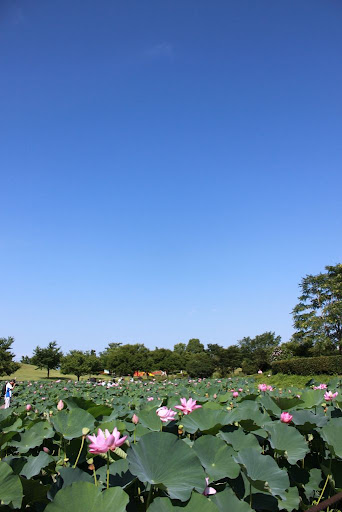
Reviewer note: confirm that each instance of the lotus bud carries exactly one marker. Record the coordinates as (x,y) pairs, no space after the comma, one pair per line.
(135,419)
(28,407)
(46,450)
(60,405)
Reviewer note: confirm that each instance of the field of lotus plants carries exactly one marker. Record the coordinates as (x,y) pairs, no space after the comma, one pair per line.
(183,445)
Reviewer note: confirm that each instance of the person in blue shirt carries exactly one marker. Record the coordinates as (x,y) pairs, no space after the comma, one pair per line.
(8,394)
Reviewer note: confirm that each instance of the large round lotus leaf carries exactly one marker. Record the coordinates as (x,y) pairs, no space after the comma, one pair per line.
(288,441)
(216,458)
(248,415)
(228,501)
(206,420)
(163,460)
(33,436)
(197,503)
(332,435)
(85,497)
(94,409)
(310,398)
(11,490)
(35,463)
(150,419)
(264,472)
(71,423)
(308,420)
(292,500)
(239,440)
(286,403)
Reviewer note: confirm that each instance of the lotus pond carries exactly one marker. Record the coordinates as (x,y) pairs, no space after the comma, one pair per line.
(234,453)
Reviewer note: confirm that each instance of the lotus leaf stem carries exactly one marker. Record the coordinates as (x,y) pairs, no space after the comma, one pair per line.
(80,451)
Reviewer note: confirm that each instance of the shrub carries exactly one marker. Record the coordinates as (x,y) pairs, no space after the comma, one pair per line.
(330,365)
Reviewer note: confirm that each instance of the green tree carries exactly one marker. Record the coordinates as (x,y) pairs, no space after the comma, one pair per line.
(194,346)
(166,360)
(256,352)
(48,358)
(25,360)
(225,360)
(80,363)
(127,359)
(317,317)
(200,365)
(7,365)
(180,348)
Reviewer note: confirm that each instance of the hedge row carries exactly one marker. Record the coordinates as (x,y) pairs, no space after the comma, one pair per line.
(330,365)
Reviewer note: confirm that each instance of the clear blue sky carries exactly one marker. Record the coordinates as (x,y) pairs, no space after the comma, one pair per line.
(169,169)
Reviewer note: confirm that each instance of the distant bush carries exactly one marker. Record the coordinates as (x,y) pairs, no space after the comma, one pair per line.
(329,365)
(250,367)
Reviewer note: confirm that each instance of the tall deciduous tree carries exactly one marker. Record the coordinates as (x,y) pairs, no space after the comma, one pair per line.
(7,365)
(317,317)
(194,346)
(127,359)
(256,352)
(48,358)
(80,363)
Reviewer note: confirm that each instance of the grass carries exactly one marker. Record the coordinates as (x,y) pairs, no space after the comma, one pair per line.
(281,380)
(29,372)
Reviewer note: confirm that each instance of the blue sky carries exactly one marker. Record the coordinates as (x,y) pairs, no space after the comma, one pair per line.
(169,169)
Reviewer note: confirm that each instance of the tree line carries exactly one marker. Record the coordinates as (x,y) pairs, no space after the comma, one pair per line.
(317,319)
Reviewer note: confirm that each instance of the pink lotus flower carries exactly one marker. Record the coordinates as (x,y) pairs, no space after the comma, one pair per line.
(117,440)
(100,443)
(321,386)
(28,407)
(269,388)
(187,406)
(135,419)
(208,490)
(240,389)
(260,372)
(165,414)
(262,387)
(235,394)
(150,398)
(328,396)
(60,405)
(286,417)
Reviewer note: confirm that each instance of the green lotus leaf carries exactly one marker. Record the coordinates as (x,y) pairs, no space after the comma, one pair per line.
(165,461)
(270,404)
(197,503)
(227,500)
(35,463)
(150,419)
(11,490)
(239,440)
(287,441)
(291,502)
(286,403)
(308,420)
(119,474)
(85,496)
(248,415)
(34,492)
(205,420)
(94,409)
(33,436)
(332,435)
(264,472)
(216,458)
(71,423)
(310,398)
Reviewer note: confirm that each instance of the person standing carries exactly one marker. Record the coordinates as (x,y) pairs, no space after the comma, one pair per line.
(8,394)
